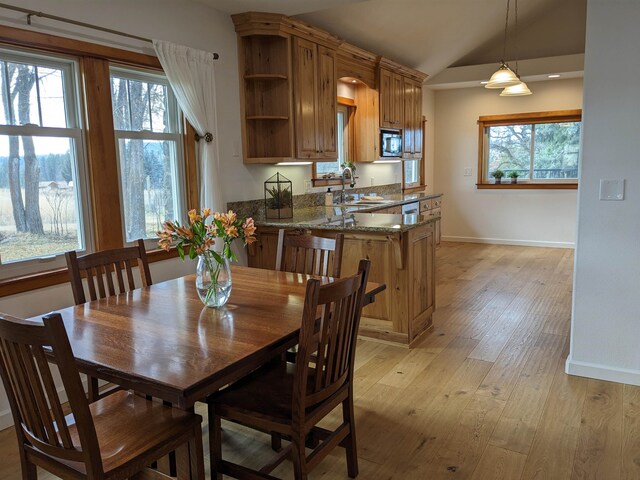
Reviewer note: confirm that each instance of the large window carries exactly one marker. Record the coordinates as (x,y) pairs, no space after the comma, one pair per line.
(41,163)
(146,121)
(542,149)
(411,173)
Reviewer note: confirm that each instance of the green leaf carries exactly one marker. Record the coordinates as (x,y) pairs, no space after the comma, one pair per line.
(216,256)
(180,249)
(192,253)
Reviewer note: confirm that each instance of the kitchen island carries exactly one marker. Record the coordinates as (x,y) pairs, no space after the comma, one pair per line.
(402,253)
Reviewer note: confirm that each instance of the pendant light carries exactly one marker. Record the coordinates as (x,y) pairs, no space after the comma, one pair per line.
(504,76)
(520,89)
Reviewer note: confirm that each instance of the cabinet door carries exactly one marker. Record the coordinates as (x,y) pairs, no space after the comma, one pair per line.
(304,90)
(367,124)
(326,103)
(417,139)
(397,89)
(409,129)
(386,97)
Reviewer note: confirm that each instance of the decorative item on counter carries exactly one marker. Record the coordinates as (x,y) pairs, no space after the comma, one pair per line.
(498,174)
(514,176)
(278,197)
(352,166)
(328,198)
(213,274)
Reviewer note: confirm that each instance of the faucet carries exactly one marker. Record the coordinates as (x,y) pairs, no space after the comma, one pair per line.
(352,184)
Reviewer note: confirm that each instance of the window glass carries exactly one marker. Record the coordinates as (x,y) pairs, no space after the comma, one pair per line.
(411,172)
(536,151)
(326,168)
(149,152)
(40,188)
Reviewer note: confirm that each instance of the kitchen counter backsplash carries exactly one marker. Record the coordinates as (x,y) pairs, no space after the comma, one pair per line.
(248,208)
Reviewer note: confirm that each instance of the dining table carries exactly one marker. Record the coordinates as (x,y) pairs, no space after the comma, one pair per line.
(162,341)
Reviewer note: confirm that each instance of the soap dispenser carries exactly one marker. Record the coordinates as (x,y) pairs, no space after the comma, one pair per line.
(328,198)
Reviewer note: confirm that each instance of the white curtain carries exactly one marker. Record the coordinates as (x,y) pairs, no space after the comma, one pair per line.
(191,75)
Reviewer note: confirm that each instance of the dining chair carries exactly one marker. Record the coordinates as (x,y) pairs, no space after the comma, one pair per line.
(113,438)
(309,254)
(99,269)
(291,399)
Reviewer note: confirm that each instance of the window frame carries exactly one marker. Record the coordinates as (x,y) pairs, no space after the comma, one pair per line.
(94,61)
(533,118)
(421,183)
(73,103)
(141,75)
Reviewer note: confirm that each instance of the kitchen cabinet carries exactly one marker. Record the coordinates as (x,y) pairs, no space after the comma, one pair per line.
(367,123)
(404,262)
(412,126)
(432,208)
(315,92)
(391,99)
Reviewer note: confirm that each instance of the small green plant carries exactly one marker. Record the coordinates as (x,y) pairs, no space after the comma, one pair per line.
(514,174)
(279,198)
(498,174)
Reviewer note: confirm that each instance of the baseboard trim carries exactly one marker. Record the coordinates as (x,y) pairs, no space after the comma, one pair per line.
(502,241)
(602,372)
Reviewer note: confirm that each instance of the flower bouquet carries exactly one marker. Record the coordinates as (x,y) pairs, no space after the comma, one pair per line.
(213,275)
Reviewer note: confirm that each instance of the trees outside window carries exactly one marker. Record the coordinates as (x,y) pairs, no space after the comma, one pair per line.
(40,155)
(146,120)
(541,148)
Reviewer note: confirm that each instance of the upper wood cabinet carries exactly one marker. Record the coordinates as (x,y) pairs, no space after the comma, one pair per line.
(315,93)
(391,99)
(288,90)
(412,127)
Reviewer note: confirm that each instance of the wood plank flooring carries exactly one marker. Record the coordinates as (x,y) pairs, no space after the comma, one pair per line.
(484,396)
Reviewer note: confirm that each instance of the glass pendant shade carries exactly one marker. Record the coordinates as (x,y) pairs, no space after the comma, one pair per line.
(518,90)
(502,78)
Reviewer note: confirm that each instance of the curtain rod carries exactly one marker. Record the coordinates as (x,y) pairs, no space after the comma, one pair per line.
(35,13)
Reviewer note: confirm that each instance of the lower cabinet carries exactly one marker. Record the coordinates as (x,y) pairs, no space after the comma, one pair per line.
(404,262)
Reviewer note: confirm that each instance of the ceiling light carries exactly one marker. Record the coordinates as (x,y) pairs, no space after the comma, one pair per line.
(504,77)
(555,75)
(517,90)
(354,81)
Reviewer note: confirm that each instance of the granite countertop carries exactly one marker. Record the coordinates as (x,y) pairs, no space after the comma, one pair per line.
(361,218)
(346,218)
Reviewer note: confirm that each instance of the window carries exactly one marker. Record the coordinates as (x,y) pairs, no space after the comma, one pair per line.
(42,175)
(146,120)
(411,173)
(323,169)
(542,149)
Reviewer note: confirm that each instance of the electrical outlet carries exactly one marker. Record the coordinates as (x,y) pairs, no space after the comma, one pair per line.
(307,186)
(468,171)
(373,181)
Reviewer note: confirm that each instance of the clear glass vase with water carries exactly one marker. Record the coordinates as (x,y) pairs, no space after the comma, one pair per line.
(213,280)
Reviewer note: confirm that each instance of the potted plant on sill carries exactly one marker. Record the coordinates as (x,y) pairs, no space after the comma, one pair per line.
(498,174)
(514,176)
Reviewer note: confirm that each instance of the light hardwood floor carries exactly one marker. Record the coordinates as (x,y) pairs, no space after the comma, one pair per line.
(484,396)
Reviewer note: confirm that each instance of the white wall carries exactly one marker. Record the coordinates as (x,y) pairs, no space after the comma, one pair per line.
(606,307)
(520,217)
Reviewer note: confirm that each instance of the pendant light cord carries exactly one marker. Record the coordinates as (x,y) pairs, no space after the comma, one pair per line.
(506,27)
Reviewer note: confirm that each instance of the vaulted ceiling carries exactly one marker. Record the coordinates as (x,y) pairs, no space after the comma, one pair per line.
(432,35)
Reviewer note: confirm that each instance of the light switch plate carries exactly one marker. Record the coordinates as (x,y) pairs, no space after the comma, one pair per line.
(611,189)
(468,171)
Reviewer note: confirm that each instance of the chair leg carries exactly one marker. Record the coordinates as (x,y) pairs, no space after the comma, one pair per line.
(349,443)
(29,470)
(276,442)
(196,454)
(298,456)
(215,443)
(94,392)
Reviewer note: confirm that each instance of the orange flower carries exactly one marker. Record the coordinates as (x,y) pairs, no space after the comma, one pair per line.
(193,216)
(185,232)
(231,231)
(250,240)
(248,227)
(231,218)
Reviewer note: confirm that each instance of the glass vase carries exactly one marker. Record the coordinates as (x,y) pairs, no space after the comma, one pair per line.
(213,280)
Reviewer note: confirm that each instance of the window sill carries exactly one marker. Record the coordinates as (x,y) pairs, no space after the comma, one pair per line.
(35,281)
(527,186)
(330,181)
(413,188)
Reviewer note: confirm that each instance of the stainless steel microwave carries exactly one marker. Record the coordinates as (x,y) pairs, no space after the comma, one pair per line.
(390,143)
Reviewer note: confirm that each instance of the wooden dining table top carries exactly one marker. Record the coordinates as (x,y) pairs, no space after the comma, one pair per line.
(161,340)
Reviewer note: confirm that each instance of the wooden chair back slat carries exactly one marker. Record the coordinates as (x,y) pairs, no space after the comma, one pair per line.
(100,268)
(35,403)
(309,254)
(326,351)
